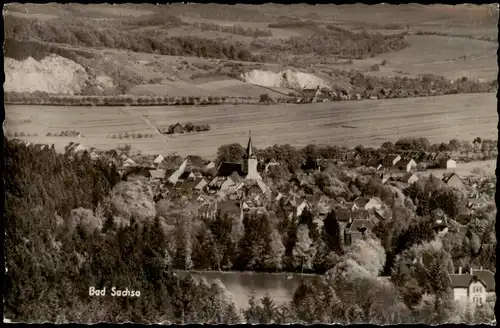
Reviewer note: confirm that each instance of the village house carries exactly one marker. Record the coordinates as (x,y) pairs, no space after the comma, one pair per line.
(410,178)
(367,203)
(94,156)
(406,165)
(174,177)
(270,164)
(438,157)
(375,162)
(157,175)
(297,205)
(454,181)
(210,165)
(473,286)
(157,161)
(197,184)
(447,163)
(356,230)
(129,162)
(390,160)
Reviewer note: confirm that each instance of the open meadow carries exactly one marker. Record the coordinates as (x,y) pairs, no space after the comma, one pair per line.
(349,124)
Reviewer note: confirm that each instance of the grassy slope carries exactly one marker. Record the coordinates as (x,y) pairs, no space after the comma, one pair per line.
(437,118)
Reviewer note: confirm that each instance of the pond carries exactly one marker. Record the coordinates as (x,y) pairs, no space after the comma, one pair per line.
(279,286)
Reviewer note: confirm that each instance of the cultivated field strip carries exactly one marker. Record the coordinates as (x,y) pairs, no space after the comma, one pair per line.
(342,123)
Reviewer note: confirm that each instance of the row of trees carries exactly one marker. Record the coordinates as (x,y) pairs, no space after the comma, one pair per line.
(43,98)
(467,36)
(132,135)
(234,29)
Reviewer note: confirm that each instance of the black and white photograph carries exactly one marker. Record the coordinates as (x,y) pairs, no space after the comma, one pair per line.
(210,163)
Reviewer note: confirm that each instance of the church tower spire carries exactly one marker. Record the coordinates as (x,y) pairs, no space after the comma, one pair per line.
(249,153)
(250,162)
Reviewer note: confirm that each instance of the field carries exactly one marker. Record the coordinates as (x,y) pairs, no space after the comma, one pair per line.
(370,122)
(439,55)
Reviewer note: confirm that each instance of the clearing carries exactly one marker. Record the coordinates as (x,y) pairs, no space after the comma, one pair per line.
(437,118)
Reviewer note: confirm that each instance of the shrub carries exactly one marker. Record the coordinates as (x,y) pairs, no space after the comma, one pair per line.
(384,62)
(139,135)
(21,134)
(375,68)
(133,135)
(120,136)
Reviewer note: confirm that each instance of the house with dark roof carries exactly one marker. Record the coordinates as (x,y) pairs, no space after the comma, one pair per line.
(406,165)
(193,184)
(343,215)
(473,286)
(375,162)
(356,230)
(390,160)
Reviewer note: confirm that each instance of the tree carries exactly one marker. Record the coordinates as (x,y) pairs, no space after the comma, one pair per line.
(274,258)
(332,233)
(230,153)
(304,251)
(183,251)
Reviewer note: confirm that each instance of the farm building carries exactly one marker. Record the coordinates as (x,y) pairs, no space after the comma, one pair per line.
(178,128)
(447,163)
(406,165)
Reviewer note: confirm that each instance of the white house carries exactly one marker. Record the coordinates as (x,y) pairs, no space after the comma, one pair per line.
(406,165)
(447,163)
(473,286)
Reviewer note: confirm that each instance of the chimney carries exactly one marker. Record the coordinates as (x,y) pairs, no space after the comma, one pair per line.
(459,270)
(470,270)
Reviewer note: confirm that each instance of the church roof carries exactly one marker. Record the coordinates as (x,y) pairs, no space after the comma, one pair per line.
(226,169)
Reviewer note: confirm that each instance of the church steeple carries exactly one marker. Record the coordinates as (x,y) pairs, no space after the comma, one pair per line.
(249,153)
(250,162)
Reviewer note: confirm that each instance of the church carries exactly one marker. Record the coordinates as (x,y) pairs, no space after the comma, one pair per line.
(232,177)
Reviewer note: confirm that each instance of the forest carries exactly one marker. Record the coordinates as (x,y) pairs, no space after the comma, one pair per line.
(64,233)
